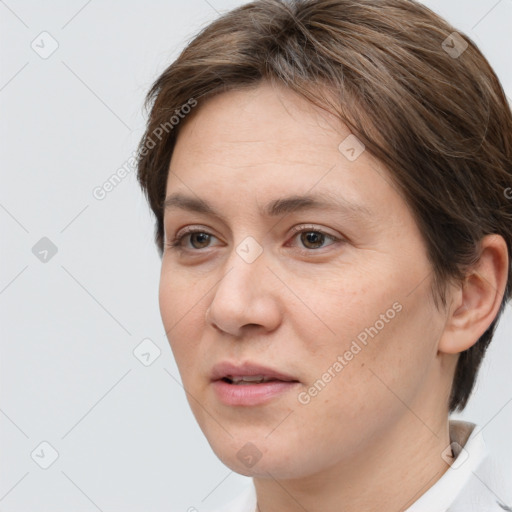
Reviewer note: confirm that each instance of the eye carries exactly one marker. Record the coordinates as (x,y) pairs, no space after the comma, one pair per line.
(313,238)
(198,238)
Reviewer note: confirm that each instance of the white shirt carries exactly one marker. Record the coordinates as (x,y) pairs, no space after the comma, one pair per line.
(471,484)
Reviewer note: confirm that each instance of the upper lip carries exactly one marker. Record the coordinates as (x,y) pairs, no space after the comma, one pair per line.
(228,369)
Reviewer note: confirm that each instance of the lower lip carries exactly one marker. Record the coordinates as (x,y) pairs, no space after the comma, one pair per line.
(250,394)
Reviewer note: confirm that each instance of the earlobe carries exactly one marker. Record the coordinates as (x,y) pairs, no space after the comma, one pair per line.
(476,302)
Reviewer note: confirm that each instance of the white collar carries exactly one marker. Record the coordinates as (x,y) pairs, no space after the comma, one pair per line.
(457,485)
(472,483)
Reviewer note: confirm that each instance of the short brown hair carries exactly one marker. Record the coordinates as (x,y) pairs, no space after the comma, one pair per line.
(438,119)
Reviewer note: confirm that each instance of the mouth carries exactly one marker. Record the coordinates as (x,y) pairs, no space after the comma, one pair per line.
(251,379)
(249,384)
(247,373)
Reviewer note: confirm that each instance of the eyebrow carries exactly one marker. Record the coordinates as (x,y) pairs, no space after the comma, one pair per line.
(281,206)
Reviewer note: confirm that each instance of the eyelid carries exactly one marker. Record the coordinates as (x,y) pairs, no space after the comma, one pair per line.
(176,241)
(193,229)
(301,228)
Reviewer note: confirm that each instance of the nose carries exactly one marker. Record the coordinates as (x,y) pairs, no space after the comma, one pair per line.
(245,298)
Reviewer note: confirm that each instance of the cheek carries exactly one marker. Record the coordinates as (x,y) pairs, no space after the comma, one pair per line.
(170,306)
(342,311)
(179,296)
(368,394)
(182,316)
(383,342)
(401,356)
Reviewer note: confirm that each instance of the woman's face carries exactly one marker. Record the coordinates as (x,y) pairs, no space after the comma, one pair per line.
(332,298)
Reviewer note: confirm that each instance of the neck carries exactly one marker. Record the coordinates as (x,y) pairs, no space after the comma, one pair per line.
(387,475)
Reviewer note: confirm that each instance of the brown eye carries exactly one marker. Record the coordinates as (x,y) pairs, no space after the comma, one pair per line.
(201,238)
(312,239)
(192,240)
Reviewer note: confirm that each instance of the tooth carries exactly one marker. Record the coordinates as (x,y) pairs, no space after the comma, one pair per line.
(249,379)
(253,378)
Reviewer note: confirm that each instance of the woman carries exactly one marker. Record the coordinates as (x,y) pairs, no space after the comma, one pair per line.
(329,184)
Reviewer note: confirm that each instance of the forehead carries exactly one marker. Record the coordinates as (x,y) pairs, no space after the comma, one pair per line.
(270,117)
(267,143)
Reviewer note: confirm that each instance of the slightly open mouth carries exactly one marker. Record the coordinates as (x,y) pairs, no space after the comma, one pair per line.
(252,380)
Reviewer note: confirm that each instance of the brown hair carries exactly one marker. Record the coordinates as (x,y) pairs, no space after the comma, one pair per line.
(423,100)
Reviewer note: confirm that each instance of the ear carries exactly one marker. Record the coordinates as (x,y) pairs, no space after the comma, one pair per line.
(476,302)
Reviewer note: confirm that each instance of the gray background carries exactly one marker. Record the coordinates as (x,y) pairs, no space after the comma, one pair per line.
(124,434)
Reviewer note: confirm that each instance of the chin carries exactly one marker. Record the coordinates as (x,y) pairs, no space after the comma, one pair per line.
(263,458)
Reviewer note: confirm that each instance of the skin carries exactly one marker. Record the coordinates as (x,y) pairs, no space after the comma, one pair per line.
(372,438)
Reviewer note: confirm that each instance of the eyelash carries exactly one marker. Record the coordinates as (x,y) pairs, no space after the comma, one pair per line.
(176,242)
